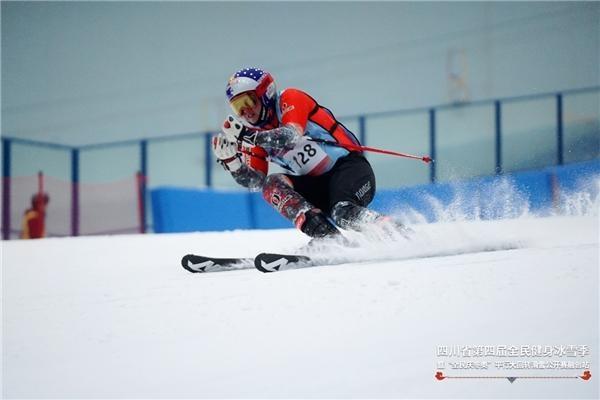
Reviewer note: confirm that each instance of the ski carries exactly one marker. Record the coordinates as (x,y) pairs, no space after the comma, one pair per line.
(272,262)
(195,264)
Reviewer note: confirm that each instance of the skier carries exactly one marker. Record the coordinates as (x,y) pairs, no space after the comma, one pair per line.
(34,218)
(324,181)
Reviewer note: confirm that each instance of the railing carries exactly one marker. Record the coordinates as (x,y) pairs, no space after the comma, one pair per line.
(477,138)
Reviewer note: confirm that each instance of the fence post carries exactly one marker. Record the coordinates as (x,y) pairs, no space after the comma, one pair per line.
(432,171)
(75,192)
(142,184)
(362,130)
(498,114)
(6,161)
(208,160)
(559,128)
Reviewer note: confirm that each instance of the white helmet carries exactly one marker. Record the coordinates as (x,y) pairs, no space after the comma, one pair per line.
(262,85)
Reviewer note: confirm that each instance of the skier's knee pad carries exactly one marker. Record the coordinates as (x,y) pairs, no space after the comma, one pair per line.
(348,215)
(275,183)
(278,191)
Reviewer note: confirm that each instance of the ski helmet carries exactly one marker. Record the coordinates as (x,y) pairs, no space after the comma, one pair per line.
(253,81)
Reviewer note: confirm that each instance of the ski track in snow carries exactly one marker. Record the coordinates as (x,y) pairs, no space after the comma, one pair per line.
(117,316)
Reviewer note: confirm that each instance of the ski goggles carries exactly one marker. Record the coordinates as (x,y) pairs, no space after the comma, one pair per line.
(243,100)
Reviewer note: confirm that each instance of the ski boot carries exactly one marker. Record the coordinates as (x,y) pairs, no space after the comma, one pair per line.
(324,234)
(354,217)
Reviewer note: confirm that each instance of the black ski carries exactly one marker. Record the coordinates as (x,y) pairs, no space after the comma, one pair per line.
(195,264)
(272,262)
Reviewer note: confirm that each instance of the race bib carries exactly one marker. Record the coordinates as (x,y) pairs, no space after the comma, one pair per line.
(305,157)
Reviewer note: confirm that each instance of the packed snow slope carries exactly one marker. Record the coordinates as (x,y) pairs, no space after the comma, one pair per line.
(117,316)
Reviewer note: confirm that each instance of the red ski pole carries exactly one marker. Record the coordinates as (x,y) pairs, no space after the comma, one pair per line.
(40,183)
(355,147)
(425,159)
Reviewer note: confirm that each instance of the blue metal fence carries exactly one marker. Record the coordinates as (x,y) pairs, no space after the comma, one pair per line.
(435,132)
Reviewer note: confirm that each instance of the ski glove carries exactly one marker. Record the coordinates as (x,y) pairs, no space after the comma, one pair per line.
(235,131)
(226,152)
(232,128)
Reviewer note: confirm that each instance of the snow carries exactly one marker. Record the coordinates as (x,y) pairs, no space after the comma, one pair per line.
(117,316)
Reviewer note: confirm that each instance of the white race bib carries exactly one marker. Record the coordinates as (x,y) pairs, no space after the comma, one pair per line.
(305,157)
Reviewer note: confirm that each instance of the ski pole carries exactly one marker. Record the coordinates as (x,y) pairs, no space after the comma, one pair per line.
(354,147)
(425,159)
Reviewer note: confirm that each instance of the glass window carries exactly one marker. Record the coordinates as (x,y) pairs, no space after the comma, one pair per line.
(29,160)
(465,142)
(102,164)
(581,126)
(177,162)
(108,189)
(529,134)
(406,133)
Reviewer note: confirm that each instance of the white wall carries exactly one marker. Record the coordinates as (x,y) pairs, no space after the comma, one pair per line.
(81,73)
